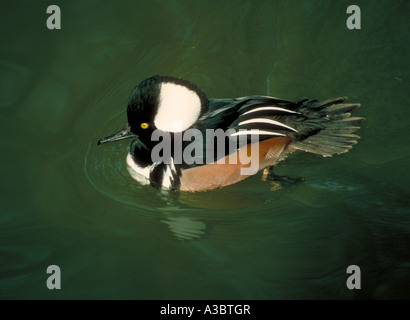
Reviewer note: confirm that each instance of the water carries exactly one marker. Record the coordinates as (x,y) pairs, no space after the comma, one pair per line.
(67,202)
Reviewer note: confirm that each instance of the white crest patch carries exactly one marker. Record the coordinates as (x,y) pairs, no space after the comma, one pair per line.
(179,108)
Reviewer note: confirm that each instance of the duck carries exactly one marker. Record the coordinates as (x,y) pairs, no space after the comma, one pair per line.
(184,141)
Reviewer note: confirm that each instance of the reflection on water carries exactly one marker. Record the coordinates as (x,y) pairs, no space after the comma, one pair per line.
(185,228)
(65,201)
(106,169)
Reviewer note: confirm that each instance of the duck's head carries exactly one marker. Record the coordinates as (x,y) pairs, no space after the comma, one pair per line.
(160,103)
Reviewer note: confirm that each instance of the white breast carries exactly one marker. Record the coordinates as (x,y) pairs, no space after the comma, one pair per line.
(142,175)
(138,173)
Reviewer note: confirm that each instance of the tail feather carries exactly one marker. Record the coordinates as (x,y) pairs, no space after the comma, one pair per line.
(341,108)
(328,127)
(342,130)
(328,102)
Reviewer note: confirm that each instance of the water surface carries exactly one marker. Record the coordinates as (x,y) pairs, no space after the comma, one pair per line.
(64,201)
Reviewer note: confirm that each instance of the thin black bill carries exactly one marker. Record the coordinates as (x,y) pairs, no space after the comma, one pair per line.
(125,133)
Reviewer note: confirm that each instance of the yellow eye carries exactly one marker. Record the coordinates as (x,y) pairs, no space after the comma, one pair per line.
(144,125)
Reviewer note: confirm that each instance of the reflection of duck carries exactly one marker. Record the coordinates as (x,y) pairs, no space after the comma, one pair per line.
(171,105)
(185,228)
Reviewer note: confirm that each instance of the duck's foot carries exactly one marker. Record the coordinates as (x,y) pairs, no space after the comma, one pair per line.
(277,181)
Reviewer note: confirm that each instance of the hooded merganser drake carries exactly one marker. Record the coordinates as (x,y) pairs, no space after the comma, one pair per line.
(167,105)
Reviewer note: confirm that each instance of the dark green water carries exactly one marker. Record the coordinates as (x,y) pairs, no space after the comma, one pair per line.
(67,202)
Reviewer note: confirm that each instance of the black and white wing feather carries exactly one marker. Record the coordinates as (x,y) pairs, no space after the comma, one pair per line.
(324,128)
